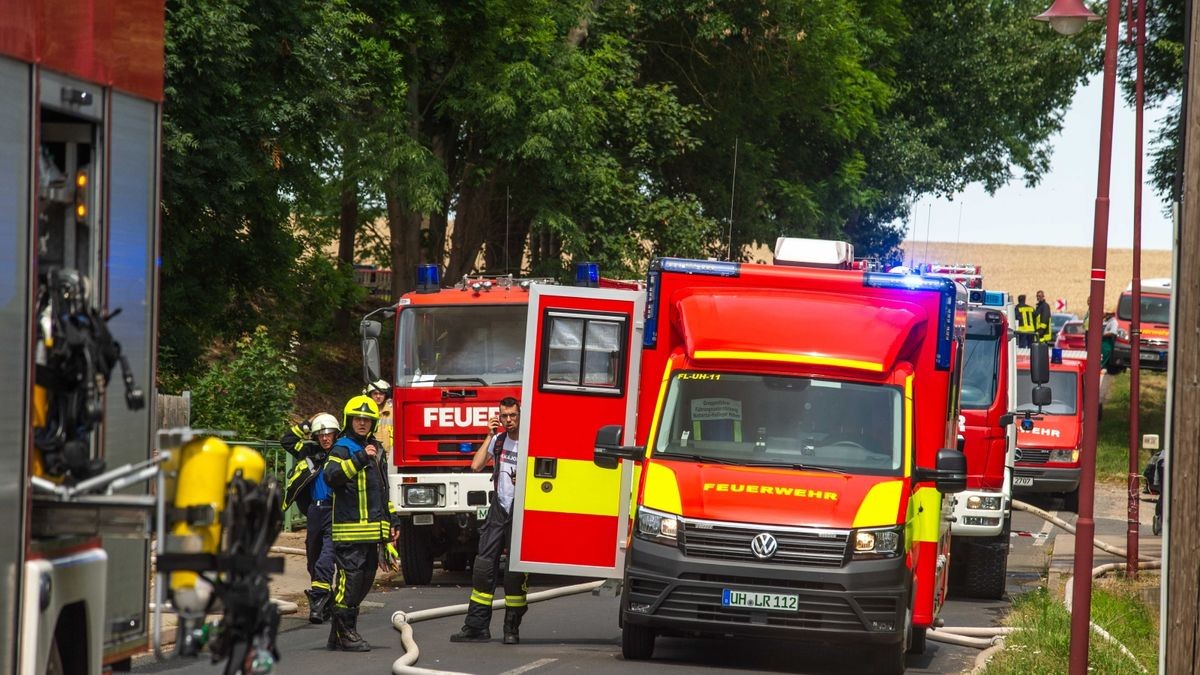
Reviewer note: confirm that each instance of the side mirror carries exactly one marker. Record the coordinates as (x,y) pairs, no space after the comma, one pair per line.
(1040,396)
(950,475)
(1005,420)
(370,349)
(1039,363)
(609,452)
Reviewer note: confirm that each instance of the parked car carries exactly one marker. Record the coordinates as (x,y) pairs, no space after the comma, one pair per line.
(1071,336)
(1057,320)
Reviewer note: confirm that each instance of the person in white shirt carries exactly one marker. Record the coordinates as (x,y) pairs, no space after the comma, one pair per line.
(501,448)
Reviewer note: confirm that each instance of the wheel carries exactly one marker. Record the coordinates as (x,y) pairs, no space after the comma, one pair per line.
(1071,501)
(637,642)
(916,642)
(889,659)
(456,561)
(1156,525)
(1114,370)
(416,554)
(987,572)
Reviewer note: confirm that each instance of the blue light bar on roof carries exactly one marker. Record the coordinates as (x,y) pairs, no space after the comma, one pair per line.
(587,274)
(712,268)
(428,279)
(916,282)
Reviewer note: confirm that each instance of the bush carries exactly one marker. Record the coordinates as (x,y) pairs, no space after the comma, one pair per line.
(250,394)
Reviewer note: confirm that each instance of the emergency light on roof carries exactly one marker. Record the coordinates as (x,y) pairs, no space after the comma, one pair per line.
(813,252)
(429,279)
(587,274)
(916,282)
(976,296)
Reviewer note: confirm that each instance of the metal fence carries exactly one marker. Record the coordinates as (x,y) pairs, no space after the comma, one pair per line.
(279,464)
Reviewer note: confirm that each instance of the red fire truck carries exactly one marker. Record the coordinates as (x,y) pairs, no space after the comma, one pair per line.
(781,435)
(1048,452)
(982,512)
(1155,319)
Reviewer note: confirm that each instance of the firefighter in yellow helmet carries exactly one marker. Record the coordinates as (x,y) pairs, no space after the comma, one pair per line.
(363,517)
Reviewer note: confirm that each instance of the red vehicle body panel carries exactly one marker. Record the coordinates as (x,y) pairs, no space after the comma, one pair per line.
(1054,431)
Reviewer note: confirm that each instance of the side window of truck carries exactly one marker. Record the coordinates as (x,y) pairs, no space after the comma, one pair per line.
(583,352)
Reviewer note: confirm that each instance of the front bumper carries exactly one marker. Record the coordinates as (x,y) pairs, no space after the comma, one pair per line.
(978,522)
(859,602)
(1150,359)
(468,493)
(1046,479)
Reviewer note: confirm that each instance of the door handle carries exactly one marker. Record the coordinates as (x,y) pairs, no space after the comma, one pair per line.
(545,467)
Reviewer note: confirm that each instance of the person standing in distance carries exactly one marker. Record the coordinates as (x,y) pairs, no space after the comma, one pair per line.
(363,517)
(494,536)
(381,392)
(1041,319)
(311,494)
(1025,329)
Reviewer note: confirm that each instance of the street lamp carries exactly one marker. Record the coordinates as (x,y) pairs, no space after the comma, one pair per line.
(1067,17)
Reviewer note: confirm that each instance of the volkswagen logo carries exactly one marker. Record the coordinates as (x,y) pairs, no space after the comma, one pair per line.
(763,545)
(1017,455)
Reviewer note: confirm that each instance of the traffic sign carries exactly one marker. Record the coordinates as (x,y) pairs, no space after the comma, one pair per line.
(1060,305)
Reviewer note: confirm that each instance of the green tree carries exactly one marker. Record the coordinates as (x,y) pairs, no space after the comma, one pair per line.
(250,392)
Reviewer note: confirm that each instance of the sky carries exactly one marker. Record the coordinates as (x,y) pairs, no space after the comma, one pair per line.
(1060,211)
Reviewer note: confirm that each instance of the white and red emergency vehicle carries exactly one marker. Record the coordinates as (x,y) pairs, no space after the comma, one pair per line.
(756,450)
(459,352)
(970,276)
(80,112)
(1155,318)
(1048,452)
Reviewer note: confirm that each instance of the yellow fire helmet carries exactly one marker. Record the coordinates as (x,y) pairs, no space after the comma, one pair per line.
(360,406)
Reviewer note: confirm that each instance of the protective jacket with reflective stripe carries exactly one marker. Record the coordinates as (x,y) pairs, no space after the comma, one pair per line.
(362,511)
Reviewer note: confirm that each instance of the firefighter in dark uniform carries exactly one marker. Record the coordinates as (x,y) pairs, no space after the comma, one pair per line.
(495,534)
(309,491)
(1041,319)
(363,517)
(1025,329)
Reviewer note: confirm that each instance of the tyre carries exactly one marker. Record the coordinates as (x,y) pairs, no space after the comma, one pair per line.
(416,554)
(456,561)
(1114,370)
(889,659)
(1071,501)
(917,641)
(637,642)
(987,573)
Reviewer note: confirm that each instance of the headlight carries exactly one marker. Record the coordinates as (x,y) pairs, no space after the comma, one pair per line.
(420,495)
(985,503)
(1122,334)
(655,526)
(1064,456)
(877,543)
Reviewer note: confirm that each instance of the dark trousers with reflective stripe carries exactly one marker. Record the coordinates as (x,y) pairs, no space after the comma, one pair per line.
(318,542)
(494,537)
(356,565)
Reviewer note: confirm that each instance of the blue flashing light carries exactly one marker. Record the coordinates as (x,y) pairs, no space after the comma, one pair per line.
(587,274)
(1026,424)
(994,298)
(1055,355)
(712,268)
(916,282)
(466,447)
(653,286)
(429,279)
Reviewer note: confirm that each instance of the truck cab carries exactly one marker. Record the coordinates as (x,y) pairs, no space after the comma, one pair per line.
(1048,452)
(1155,319)
(742,472)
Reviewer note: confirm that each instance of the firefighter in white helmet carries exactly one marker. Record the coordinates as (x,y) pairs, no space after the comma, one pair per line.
(310,442)
(381,392)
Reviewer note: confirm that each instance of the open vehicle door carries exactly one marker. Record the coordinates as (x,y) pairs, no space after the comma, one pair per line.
(582,352)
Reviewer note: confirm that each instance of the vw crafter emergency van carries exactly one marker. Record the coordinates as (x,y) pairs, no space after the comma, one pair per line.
(771,448)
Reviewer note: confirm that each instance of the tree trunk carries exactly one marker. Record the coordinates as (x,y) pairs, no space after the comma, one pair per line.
(404,224)
(579,31)
(476,206)
(347,228)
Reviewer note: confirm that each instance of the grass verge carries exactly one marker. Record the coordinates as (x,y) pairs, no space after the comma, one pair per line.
(1042,644)
(1112,447)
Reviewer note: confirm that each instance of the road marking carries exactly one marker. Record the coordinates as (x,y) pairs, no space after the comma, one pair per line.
(529,666)
(1044,533)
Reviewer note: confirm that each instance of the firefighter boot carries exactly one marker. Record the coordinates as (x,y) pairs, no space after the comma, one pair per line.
(332,643)
(318,606)
(512,625)
(348,639)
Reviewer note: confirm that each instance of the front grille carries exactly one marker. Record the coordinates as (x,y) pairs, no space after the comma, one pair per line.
(797,546)
(814,612)
(1033,456)
(727,580)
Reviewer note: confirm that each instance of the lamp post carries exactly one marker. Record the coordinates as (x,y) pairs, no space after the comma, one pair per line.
(1135,320)
(1069,17)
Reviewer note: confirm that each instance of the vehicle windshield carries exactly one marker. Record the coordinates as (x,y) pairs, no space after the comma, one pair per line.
(981,371)
(460,344)
(767,420)
(1063,388)
(1155,308)
(1073,328)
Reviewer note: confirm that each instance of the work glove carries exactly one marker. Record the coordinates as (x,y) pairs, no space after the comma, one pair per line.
(389,558)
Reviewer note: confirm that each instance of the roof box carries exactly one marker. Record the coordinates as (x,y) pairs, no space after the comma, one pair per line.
(801,252)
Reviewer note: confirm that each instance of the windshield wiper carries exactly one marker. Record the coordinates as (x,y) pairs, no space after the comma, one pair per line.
(799,467)
(508,382)
(446,380)
(697,458)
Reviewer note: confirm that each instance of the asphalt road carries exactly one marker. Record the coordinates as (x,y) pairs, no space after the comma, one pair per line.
(579,633)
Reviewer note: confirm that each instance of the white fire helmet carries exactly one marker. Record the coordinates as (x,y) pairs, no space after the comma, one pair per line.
(324,422)
(378,385)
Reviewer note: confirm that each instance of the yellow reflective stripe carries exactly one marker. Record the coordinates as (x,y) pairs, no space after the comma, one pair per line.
(658,404)
(881,505)
(339,598)
(581,487)
(925,513)
(346,465)
(481,598)
(696,430)
(737,431)
(806,359)
(362,497)
(321,585)
(514,601)
(662,489)
(909,450)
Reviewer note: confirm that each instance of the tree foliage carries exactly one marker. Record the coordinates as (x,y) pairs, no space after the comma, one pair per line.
(518,135)
(250,392)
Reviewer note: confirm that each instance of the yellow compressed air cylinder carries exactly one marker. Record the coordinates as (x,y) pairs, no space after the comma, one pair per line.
(203,464)
(250,462)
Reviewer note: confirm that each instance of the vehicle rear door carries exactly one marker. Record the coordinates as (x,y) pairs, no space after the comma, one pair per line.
(582,353)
